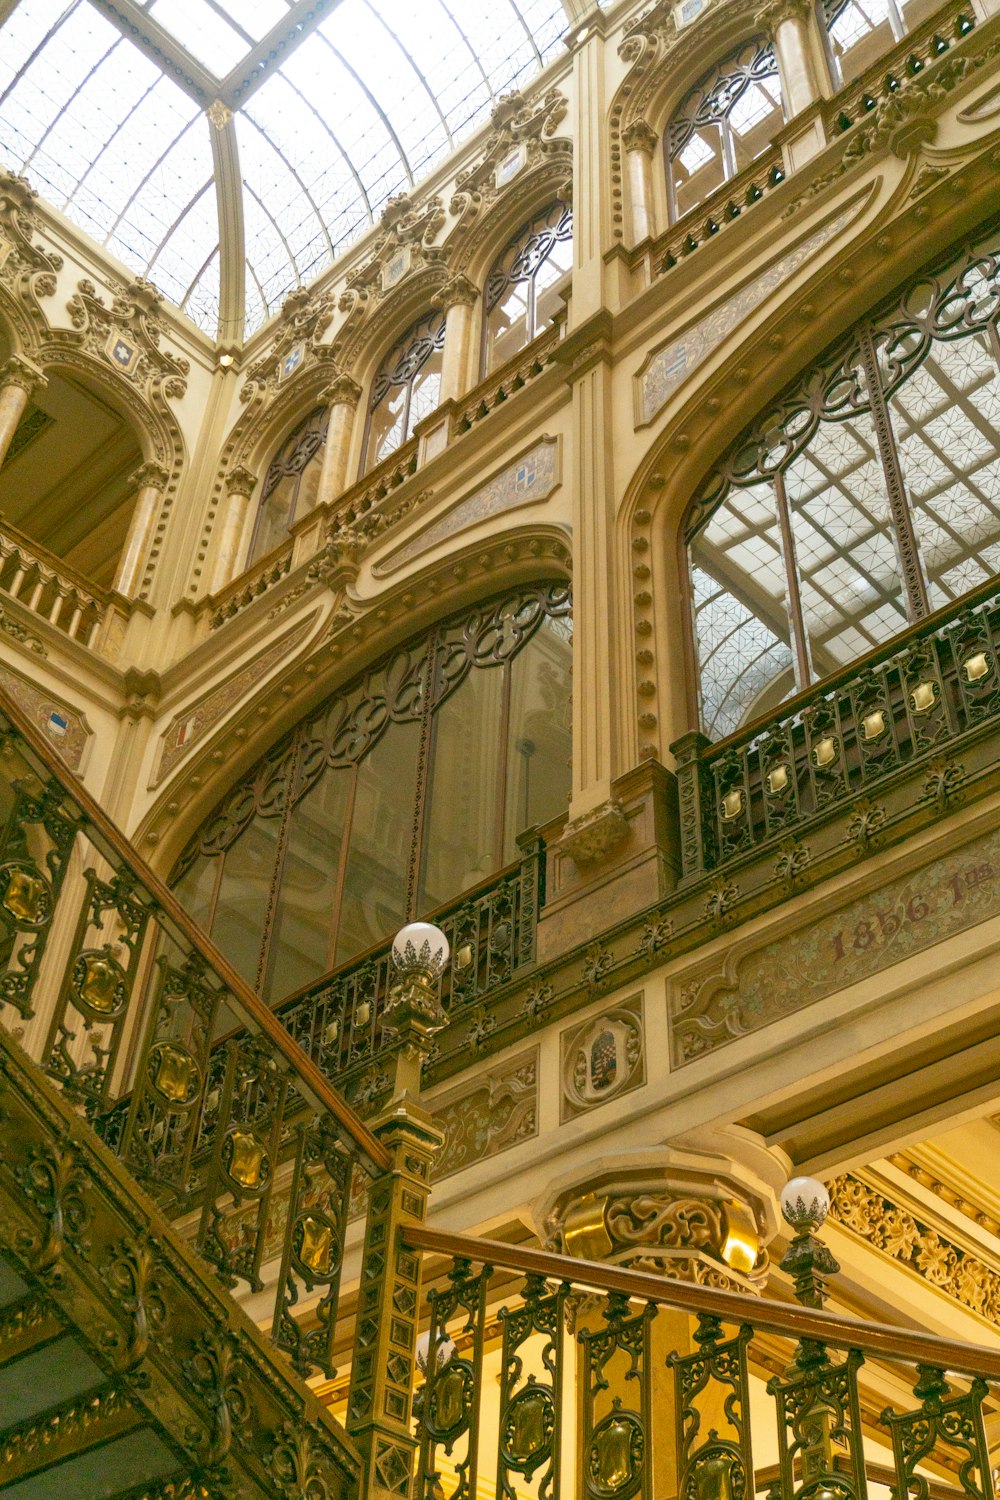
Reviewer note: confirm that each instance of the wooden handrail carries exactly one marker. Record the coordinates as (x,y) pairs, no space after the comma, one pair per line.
(257,1016)
(879,1339)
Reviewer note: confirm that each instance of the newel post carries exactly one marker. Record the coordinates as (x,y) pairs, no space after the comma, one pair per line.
(379,1407)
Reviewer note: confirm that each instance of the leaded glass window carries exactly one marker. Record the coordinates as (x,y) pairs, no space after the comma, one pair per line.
(403,790)
(859,31)
(523,289)
(406,389)
(863,499)
(290,484)
(728,119)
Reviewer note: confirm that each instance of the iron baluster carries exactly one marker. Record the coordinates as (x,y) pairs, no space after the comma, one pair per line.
(530,1423)
(943,1426)
(713,1466)
(449,1404)
(616,1445)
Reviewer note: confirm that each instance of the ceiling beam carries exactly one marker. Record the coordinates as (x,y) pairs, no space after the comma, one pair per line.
(7,8)
(273,50)
(232,235)
(160,47)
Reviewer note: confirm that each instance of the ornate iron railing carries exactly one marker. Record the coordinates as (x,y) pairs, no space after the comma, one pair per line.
(740,1369)
(339,1021)
(921,695)
(121,998)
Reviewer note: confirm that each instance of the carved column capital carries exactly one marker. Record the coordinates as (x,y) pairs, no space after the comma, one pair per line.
(639,136)
(458,291)
(773,12)
(342,391)
(240,481)
(20,372)
(149,476)
(700,1215)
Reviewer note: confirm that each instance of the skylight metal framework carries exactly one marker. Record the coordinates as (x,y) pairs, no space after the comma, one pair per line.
(228,149)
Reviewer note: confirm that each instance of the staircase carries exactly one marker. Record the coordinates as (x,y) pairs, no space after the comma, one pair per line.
(165,1144)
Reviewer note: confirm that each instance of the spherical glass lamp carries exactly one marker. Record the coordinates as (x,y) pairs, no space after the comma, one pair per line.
(805,1203)
(420,948)
(445,1350)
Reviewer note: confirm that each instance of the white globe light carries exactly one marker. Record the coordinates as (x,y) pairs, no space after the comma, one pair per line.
(445,1349)
(805,1201)
(420,945)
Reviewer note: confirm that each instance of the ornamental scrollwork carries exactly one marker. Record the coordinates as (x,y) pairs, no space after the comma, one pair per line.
(127,334)
(27,271)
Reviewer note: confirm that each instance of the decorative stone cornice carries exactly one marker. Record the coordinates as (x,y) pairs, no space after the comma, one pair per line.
(20,372)
(127,335)
(304,318)
(458,291)
(640,136)
(770,15)
(241,481)
(149,476)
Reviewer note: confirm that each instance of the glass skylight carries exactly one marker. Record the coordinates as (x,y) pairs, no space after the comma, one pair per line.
(107,138)
(362,107)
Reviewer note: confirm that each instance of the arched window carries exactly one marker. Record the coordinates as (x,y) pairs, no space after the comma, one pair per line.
(406,388)
(726,120)
(859,31)
(405,789)
(522,290)
(866,497)
(290,484)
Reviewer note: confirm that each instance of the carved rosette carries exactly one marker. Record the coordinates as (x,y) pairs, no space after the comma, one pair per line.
(697,1216)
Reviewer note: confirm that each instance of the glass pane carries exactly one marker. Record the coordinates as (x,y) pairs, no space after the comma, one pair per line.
(507,326)
(388,429)
(301,947)
(539,733)
(196,887)
(698,168)
(461,842)
(947,423)
(243,896)
(374,898)
(754,119)
(852,591)
(275,518)
(426,392)
(742,635)
(859,34)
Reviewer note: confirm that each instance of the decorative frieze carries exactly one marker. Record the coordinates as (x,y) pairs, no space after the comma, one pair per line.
(522,140)
(487,1114)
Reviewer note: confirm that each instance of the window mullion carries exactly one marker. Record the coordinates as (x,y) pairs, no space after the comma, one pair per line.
(917,603)
(796,619)
(284,823)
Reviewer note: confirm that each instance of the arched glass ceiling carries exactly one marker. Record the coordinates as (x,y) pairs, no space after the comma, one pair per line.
(363,106)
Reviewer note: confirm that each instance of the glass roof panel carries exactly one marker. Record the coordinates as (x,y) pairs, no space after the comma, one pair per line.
(199,27)
(109,140)
(363,107)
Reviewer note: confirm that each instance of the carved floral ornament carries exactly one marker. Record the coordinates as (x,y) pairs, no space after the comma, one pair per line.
(27,271)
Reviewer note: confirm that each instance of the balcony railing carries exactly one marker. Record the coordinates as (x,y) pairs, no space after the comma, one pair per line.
(917,51)
(49,588)
(121,996)
(918,697)
(339,1021)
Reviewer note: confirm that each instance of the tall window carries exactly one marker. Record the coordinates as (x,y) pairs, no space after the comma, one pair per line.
(726,120)
(859,31)
(866,497)
(402,791)
(407,388)
(522,290)
(290,484)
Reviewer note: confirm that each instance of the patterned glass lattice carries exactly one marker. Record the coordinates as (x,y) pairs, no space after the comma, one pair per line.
(406,388)
(522,290)
(290,484)
(726,120)
(406,788)
(865,497)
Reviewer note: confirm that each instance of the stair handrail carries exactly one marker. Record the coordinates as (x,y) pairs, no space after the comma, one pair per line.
(258,1017)
(883,1340)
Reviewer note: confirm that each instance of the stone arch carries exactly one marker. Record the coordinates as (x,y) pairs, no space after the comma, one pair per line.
(836,284)
(339,635)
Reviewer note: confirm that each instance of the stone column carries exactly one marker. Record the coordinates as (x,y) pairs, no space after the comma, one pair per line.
(343,396)
(458,298)
(19,379)
(639,140)
(240,485)
(790,23)
(149,482)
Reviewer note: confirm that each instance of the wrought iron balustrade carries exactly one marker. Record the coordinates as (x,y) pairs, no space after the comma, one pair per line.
(850,1401)
(921,696)
(339,1021)
(119,998)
